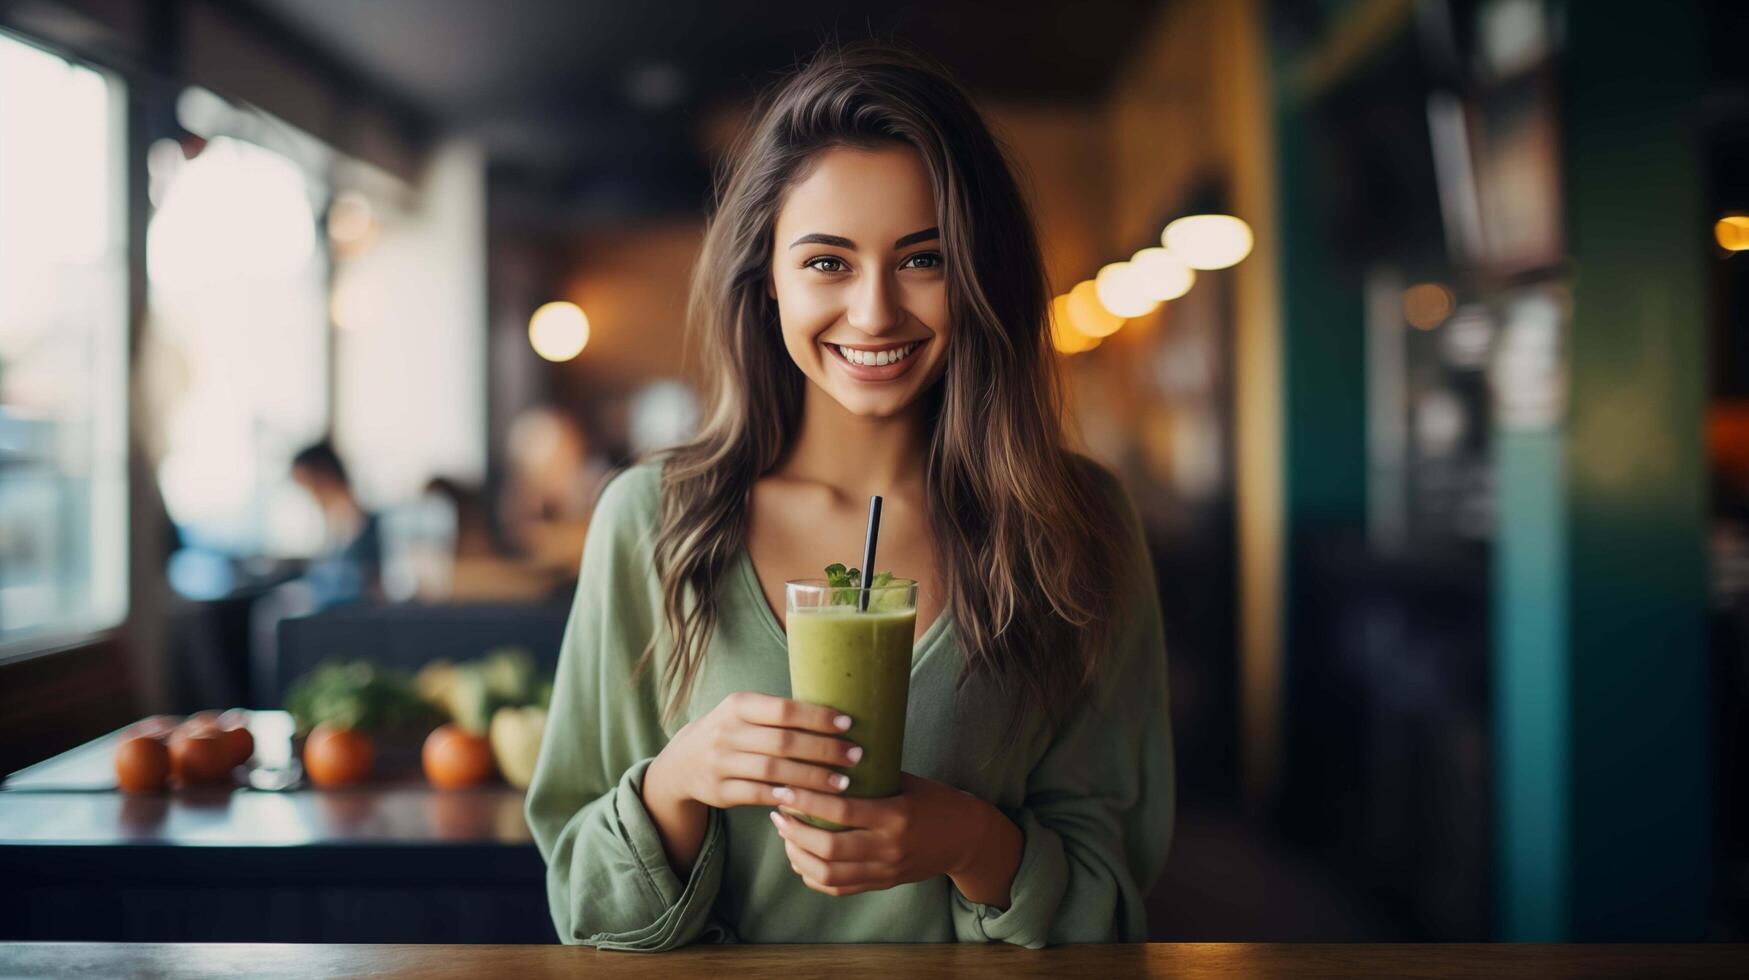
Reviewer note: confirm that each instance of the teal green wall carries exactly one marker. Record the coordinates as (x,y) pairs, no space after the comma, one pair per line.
(1601,660)
(1323,331)
(1531,714)
(1636,475)
(1600,665)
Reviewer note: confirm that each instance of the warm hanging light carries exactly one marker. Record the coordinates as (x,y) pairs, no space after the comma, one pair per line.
(1427,305)
(558,331)
(1087,315)
(1123,291)
(1164,275)
(1732,233)
(1064,337)
(1208,241)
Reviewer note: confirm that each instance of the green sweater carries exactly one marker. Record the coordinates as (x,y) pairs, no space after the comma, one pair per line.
(1095,802)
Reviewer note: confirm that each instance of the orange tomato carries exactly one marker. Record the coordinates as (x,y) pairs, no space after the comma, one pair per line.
(454,757)
(200,755)
(234,723)
(142,764)
(336,756)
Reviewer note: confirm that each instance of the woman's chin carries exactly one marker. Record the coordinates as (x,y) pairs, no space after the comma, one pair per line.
(872,405)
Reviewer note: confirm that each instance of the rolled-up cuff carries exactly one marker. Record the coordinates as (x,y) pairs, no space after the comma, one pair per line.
(686,904)
(1039,883)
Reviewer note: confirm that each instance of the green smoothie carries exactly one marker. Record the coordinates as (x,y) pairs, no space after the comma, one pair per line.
(859,663)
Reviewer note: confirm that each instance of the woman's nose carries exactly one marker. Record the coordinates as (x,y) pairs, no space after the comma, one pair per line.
(874,307)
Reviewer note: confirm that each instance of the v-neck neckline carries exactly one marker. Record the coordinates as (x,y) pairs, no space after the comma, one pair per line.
(766,615)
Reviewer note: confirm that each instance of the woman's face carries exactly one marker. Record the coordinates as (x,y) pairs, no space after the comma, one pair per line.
(856,269)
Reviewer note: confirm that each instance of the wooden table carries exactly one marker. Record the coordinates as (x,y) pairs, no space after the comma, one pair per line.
(884,962)
(394,861)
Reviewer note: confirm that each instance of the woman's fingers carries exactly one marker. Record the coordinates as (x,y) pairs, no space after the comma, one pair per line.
(745,792)
(784,772)
(833,874)
(789,743)
(829,845)
(830,806)
(776,712)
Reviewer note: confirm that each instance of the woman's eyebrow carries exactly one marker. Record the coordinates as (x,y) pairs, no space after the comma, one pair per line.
(838,241)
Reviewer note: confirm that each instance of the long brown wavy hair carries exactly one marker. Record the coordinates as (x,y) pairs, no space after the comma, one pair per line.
(1028,541)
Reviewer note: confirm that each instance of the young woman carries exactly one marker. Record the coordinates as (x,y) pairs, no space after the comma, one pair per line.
(868,217)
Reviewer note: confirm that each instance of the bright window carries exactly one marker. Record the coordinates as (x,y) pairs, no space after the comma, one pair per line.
(63,351)
(237,345)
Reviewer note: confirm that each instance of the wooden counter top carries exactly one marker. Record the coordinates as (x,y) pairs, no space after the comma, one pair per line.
(884,962)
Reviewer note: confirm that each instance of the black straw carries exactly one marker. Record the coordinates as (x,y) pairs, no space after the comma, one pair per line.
(868,550)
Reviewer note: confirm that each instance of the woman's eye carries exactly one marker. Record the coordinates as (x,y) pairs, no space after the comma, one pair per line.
(827,263)
(924,260)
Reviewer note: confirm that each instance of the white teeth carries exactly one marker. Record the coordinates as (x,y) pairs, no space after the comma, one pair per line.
(875,358)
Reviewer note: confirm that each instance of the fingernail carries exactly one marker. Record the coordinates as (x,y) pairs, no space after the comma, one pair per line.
(855,754)
(777,819)
(843,722)
(839,781)
(785,794)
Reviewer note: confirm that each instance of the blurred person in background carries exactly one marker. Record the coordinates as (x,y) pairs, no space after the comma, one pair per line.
(550,485)
(349,566)
(473,523)
(478,569)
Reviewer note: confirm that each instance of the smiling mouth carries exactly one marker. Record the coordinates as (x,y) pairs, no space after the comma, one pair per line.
(886,356)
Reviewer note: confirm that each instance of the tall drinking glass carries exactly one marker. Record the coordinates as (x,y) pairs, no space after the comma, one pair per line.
(857,661)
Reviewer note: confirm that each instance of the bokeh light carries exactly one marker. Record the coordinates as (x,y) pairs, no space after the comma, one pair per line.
(1123,291)
(1165,275)
(1087,315)
(1732,233)
(558,331)
(1427,305)
(1064,337)
(1208,241)
(352,223)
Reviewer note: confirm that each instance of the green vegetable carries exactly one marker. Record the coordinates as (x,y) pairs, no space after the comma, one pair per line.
(470,693)
(509,675)
(515,738)
(470,700)
(359,694)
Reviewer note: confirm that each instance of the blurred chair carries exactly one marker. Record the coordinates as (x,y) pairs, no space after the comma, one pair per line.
(410,636)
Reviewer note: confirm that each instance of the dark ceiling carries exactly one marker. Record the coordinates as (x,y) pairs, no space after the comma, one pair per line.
(601,104)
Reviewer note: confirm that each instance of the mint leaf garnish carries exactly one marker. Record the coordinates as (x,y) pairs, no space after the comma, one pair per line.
(845,583)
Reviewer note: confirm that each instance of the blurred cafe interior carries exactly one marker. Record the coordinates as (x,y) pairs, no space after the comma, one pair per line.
(1418,330)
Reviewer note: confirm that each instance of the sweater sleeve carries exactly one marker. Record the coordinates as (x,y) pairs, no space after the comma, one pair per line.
(1098,813)
(609,883)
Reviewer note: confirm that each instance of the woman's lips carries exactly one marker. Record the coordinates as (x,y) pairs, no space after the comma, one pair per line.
(868,372)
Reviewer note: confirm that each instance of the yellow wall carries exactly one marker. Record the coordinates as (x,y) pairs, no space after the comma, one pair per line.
(1193,103)
(632,283)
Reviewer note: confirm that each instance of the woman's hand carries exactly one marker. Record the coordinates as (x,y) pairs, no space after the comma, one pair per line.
(747,747)
(929,829)
(743,751)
